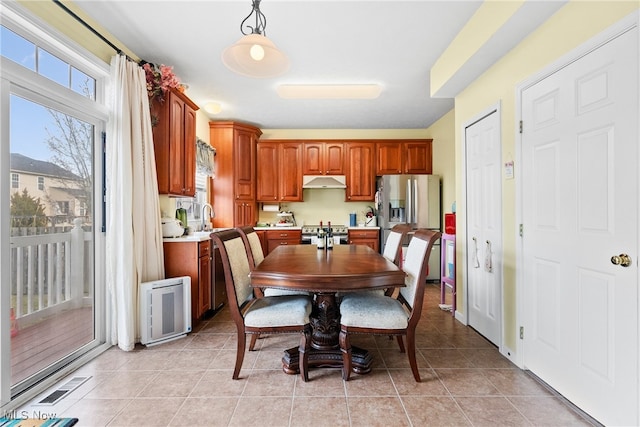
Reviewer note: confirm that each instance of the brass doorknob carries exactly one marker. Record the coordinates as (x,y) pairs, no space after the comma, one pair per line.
(622,260)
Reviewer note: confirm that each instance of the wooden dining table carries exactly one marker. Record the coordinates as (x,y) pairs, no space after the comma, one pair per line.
(324,274)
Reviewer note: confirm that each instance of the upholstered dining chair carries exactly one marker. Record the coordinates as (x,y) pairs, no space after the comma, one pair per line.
(256,255)
(254,316)
(393,244)
(367,313)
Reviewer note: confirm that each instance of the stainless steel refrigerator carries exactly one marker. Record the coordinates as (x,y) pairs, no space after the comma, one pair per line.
(413,200)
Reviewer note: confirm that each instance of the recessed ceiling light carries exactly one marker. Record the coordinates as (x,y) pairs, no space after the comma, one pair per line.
(326,91)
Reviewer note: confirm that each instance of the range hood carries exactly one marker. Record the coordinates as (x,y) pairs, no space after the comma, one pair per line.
(324,181)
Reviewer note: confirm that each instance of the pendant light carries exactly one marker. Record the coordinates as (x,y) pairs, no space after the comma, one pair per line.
(254,55)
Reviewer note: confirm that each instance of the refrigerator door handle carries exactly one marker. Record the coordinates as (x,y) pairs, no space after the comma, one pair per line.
(409,207)
(416,204)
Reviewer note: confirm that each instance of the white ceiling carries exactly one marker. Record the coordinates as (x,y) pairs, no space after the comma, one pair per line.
(393,43)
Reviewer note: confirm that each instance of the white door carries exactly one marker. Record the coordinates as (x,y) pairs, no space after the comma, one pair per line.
(580,208)
(484,227)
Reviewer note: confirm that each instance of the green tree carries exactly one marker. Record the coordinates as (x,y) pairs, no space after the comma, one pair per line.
(27,211)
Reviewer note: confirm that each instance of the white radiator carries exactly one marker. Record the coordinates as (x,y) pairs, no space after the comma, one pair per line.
(165,310)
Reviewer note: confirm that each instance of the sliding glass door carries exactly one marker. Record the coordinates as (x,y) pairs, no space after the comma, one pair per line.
(51,237)
(52,302)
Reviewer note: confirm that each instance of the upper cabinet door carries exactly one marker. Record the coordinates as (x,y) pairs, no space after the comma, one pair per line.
(323,158)
(312,162)
(244,162)
(290,171)
(334,158)
(174,139)
(189,151)
(267,167)
(176,145)
(403,157)
(389,158)
(360,172)
(418,157)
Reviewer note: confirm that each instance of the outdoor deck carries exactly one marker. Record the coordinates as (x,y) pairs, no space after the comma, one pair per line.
(42,344)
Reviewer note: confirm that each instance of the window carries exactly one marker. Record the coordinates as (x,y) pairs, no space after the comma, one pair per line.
(24,52)
(15,180)
(63,207)
(41,183)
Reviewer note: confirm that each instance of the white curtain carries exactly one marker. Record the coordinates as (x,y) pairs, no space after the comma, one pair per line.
(134,234)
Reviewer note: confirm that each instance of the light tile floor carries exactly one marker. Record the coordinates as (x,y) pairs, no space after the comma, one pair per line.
(187,382)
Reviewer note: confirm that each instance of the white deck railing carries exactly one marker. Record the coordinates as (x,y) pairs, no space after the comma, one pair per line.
(48,269)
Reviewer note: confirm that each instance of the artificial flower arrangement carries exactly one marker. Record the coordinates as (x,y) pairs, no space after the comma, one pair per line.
(159,80)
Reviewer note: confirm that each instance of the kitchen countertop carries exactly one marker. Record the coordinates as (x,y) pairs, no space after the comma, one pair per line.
(198,236)
(294,227)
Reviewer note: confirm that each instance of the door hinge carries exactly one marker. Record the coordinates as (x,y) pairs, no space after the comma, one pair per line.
(520,230)
(521,332)
(520,126)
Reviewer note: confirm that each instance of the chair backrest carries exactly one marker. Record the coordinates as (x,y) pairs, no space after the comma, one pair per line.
(235,261)
(252,241)
(392,247)
(416,264)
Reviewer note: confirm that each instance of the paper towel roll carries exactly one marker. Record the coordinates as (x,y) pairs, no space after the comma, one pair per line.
(271,207)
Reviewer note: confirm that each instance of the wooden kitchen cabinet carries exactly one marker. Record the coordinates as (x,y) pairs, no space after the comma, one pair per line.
(395,157)
(281,237)
(279,171)
(245,213)
(174,138)
(323,158)
(360,171)
(370,238)
(234,194)
(193,259)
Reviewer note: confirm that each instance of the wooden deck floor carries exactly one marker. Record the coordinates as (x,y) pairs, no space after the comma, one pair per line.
(42,344)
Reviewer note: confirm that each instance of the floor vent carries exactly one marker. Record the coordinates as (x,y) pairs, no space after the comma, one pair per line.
(63,391)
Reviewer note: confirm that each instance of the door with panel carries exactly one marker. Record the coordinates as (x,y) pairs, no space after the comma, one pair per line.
(484,226)
(580,218)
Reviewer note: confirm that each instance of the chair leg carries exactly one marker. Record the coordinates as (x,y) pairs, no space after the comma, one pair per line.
(303,353)
(400,343)
(252,344)
(242,342)
(345,348)
(411,352)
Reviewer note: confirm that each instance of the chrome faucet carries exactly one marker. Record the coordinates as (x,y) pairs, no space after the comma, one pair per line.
(211,215)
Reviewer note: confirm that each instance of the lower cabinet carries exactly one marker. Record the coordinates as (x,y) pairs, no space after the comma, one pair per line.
(193,259)
(370,238)
(275,238)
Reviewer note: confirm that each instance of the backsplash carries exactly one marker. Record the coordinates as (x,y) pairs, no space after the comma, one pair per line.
(320,205)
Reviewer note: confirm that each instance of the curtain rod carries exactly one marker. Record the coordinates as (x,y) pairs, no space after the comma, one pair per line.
(94,31)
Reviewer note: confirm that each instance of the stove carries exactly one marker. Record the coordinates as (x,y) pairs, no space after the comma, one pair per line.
(309,233)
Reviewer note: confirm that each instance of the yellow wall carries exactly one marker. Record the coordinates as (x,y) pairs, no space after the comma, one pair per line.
(571,26)
(443,134)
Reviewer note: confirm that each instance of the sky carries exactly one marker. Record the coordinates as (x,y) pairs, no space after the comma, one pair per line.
(27,129)
(30,121)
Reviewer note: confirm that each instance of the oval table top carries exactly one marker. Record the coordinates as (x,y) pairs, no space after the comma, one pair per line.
(345,268)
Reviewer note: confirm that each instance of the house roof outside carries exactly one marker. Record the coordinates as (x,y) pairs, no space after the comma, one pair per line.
(24,164)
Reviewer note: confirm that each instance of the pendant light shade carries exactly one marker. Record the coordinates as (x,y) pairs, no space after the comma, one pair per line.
(254,55)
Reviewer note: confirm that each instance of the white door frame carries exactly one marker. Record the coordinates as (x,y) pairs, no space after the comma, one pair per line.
(464,317)
(602,38)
